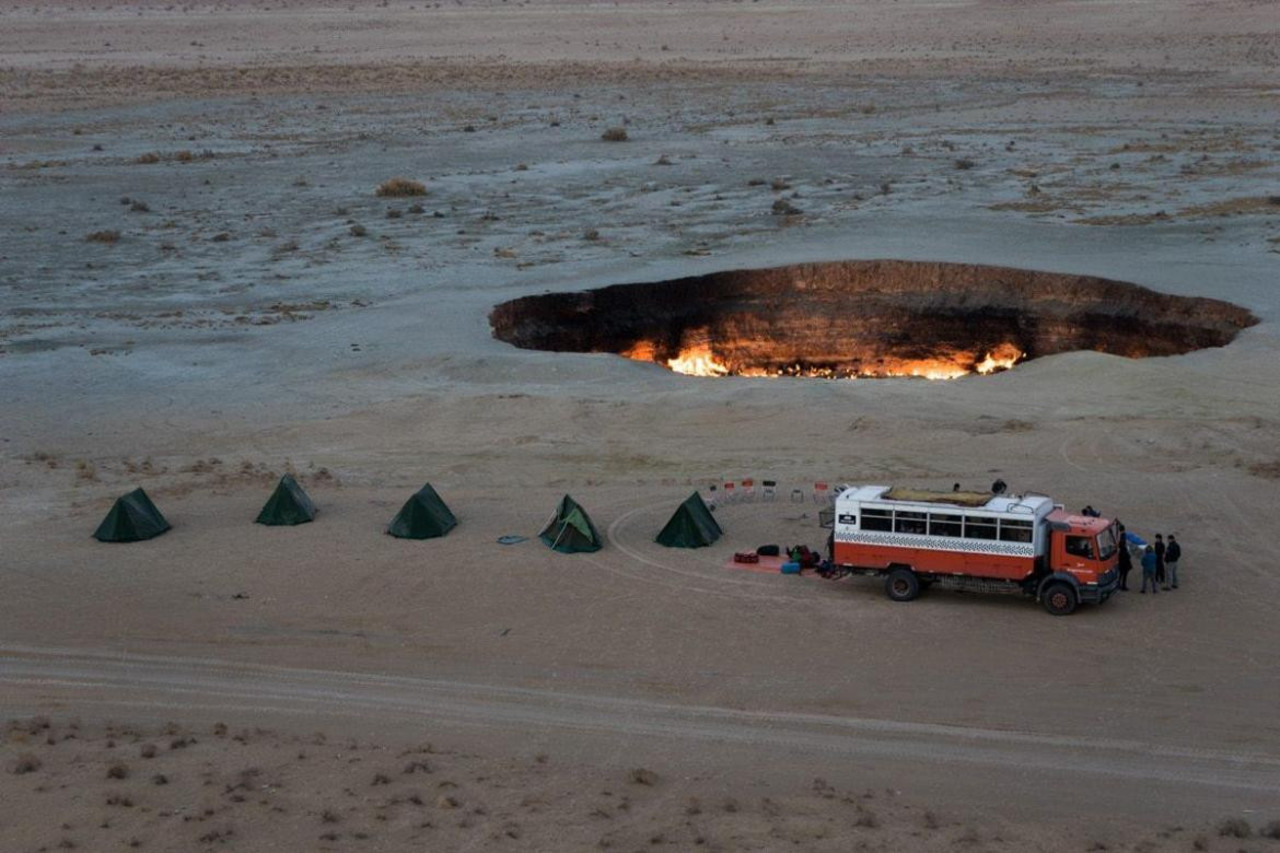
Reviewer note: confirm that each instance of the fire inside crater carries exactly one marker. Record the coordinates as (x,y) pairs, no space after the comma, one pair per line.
(856,319)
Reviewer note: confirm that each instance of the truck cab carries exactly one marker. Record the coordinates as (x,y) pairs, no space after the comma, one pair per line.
(1084,555)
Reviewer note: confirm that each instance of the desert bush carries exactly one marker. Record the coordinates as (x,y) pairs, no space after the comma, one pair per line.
(591,235)
(107,237)
(1271,830)
(140,207)
(663,160)
(26,763)
(1235,827)
(641,776)
(400,188)
(393,213)
(779,184)
(782,207)
(358,230)
(147,750)
(149,157)
(964,164)
(117,770)
(615,134)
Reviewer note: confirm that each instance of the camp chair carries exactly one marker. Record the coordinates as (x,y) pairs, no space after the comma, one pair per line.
(797,496)
(821,493)
(748,490)
(768,489)
(730,493)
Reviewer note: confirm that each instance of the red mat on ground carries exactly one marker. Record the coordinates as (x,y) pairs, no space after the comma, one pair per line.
(767,565)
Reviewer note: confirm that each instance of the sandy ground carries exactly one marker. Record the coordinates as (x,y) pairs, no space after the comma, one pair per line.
(261,310)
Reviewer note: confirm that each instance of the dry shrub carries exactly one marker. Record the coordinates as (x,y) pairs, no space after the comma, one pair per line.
(1266,470)
(26,763)
(358,230)
(641,776)
(400,188)
(118,770)
(782,207)
(1235,827)
(149,157)
(147,750)
(615,134)
(964,164)
(1271,830)
(108,237)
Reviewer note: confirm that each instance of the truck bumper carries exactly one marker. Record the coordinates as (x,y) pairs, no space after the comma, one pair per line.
(1102,590)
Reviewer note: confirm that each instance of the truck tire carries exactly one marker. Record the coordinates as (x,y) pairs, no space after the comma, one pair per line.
(1059,599)
(901,584)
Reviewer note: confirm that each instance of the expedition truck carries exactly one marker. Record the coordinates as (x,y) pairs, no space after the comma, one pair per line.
(974,541)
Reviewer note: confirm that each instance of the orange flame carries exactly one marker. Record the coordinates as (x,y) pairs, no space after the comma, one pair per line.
(1003,357)
(697,359)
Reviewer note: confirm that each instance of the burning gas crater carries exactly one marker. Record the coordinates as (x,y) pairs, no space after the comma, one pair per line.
(872,319)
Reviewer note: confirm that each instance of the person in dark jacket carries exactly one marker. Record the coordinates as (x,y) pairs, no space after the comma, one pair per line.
(1126,563)
(1159,547)
(1149,570)
(1172,554)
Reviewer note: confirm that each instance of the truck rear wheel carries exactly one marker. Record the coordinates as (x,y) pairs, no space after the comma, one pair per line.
(1059,599)
(901,584)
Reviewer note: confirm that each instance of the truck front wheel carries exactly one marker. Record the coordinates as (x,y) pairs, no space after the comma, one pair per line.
(1059,599)
(902,585)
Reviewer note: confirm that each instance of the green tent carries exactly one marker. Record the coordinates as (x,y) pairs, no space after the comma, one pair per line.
(571,530)
(288,504)
(133,518)
(692,526)
(423,516)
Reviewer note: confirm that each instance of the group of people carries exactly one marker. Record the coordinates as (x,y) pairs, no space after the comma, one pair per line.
(1159,563)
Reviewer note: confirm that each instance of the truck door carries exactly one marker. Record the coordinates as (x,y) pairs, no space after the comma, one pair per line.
(1073,552)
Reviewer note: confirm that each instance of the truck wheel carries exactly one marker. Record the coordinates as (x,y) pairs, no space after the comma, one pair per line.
(1059,599)
(902,585)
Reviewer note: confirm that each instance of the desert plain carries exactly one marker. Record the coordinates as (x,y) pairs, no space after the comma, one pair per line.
(200,290)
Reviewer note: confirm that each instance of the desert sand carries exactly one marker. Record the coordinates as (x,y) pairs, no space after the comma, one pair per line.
(255,308)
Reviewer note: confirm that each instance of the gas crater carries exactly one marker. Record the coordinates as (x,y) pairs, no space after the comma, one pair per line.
(873,319)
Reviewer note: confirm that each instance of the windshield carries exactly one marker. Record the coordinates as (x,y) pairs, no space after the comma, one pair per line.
(1106,544)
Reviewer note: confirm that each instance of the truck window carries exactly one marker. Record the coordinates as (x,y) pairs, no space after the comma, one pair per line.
(1015,531)
(1080,546)
(1106,544)
(877,519)
(909,522)
(979,528)
(941,524)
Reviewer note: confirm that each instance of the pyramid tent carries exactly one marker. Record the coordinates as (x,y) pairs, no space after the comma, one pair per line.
(288,504)
(133,518)
(571,530)
(692,526)
(423,516)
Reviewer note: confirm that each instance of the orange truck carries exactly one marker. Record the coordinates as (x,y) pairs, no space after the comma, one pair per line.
(974,541)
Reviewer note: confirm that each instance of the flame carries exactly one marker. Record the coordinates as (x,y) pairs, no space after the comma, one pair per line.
(1003,357)
(697,359)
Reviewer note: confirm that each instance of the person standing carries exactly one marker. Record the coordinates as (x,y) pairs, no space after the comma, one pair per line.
(1159,547)
(1126,563)
(1149,570)
(1172,553)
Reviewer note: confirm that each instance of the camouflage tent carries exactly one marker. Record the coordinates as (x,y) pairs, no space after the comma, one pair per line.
(288,504)
(692,525)
(133,518)
(423,516)
(571,530)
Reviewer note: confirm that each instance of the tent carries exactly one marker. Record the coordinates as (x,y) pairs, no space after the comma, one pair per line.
(133,518)
(692,526)
(423,516)
(571,529)
(288,504)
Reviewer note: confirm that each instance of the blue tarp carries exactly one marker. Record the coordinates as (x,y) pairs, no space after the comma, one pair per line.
(1135,539)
